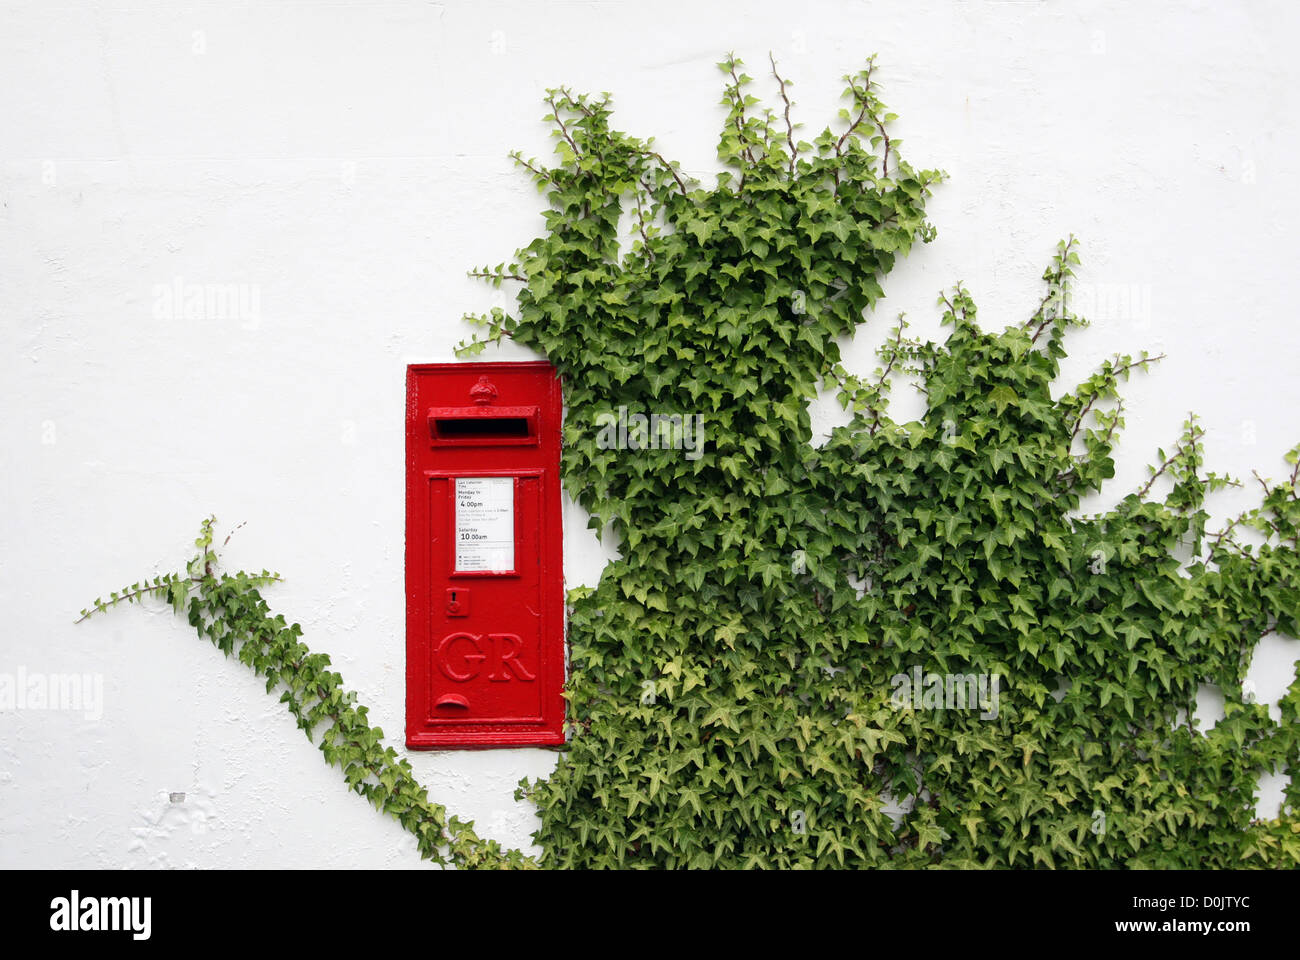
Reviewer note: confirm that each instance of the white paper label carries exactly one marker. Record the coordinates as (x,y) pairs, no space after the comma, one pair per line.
(485,523)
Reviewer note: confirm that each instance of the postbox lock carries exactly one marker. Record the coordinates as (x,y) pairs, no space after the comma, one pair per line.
(457,602)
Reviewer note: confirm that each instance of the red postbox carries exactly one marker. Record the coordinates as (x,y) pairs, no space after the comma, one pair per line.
(484,573)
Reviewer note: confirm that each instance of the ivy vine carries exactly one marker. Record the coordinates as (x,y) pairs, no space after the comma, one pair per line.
(228,610)
(735,675)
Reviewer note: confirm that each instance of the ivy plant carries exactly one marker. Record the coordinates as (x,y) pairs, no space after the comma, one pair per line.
(735,676)
(228,609)
(733,692)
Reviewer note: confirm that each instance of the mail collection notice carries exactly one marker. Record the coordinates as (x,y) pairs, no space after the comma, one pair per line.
(485,524)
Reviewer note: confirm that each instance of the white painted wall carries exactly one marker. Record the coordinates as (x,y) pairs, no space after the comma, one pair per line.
(345,162)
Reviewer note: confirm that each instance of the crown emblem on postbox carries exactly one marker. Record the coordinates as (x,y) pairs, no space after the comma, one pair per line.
(483,392)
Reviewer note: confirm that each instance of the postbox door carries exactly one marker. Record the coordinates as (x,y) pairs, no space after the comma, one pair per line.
(487,651)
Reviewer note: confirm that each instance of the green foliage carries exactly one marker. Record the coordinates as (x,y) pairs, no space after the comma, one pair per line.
(731,695)
(228,610)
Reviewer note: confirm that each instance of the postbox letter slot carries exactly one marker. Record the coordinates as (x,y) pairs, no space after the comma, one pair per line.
(452,700)
(483,426)
(474,428)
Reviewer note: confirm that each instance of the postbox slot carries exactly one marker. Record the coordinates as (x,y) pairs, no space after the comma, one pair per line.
(450,428)
(483,426)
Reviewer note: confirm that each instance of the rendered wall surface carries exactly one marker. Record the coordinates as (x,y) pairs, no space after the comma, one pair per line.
(331,169)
